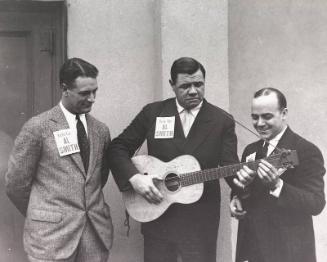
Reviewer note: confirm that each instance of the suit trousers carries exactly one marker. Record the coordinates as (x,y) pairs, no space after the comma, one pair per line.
(89,249)
(254,253)
(189,250)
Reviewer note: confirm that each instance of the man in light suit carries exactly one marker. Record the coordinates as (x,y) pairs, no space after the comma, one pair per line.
(185,124)
(57,171)
(275,212)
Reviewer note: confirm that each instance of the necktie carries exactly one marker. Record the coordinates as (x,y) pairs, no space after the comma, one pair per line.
(262,153)
(187,118)
(83,143)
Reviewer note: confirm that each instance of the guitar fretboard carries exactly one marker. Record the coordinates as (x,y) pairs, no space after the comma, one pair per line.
(201,176)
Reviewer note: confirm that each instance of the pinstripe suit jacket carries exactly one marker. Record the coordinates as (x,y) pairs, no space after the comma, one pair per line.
(55,193)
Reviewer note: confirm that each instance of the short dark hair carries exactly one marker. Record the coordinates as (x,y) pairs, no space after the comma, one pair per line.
(185,65)
(75,67)
(268,90)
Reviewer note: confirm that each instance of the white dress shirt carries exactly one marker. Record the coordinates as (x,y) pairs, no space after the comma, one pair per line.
(273,142)
(71,118)
(271,147)
(187,116)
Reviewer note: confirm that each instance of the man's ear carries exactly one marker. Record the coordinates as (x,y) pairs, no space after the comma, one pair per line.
(64,88)
(171,82)
(285,112)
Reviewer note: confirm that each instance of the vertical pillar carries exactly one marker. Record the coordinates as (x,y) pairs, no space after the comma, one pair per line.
(198,29)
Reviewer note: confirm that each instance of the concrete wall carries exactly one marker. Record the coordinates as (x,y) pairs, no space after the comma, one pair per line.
(118,37)
(260,43)
(282,43)
(133,43)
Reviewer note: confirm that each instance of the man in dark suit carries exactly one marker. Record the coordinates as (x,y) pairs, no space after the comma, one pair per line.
(56,174)
(275,213)
(194,127)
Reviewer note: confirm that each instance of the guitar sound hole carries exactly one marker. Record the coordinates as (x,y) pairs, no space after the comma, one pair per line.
(172,182)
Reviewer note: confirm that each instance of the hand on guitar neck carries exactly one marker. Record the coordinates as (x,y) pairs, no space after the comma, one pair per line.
(145,186)
(181,180)
(268,174)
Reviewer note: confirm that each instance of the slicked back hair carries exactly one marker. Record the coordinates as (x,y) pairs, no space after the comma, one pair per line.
(75,67)
(185,65)
(268,90)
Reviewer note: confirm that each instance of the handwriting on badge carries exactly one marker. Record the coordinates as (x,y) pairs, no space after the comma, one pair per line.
(68,149)
(165,127)
(63,133)
(164,134)
(66,141)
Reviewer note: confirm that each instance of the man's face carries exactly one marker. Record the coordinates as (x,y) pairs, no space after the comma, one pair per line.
(267,118)
(189,89)
(79,98)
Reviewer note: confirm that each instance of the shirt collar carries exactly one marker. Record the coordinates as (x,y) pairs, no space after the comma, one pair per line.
(273,142)
(194,111)
(70,117)
(279,136)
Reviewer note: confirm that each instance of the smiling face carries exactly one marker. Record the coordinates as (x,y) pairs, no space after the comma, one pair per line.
(267,116)
(79,98)
(189,89)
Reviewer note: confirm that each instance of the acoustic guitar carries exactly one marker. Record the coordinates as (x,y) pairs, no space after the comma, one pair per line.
(181,181)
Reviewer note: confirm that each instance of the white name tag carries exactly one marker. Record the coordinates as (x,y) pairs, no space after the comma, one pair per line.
(66,140)
(250,157)
(165,127)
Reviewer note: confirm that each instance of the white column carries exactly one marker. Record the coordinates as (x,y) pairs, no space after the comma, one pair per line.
(198,29)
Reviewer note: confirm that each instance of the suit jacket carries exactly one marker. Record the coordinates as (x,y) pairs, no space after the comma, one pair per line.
(283,226)
(55,193)
(211,140)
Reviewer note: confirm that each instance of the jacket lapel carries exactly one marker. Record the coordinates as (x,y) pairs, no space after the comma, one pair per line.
(58,117)
(94,145)
(285,142)
(170,110)
(202,126)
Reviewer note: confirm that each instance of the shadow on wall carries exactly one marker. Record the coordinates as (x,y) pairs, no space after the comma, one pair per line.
(11,221)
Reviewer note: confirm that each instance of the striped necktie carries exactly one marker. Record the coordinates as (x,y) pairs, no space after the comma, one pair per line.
(187,120)
(83,143)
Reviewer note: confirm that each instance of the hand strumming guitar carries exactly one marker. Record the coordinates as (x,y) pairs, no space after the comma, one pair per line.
(144,186)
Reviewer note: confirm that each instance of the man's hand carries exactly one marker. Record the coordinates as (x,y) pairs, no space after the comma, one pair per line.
(269,175)
(236,209)
(144,186)
(244,177)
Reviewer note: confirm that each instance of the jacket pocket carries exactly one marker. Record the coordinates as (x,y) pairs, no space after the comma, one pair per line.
(46,216)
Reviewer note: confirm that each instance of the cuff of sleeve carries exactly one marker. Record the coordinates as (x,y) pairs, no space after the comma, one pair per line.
(278,189)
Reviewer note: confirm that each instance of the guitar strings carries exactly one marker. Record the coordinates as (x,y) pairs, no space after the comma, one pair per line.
(189,175)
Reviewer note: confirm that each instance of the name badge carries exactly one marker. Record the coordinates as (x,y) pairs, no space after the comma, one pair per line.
(250,157)
(66,140)
(165,127)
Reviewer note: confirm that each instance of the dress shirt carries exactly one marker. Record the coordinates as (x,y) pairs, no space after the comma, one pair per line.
(192,112)
(71,119)
(273,142)
(271,147)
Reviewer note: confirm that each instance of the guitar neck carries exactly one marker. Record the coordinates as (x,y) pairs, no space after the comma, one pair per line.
(201,176)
